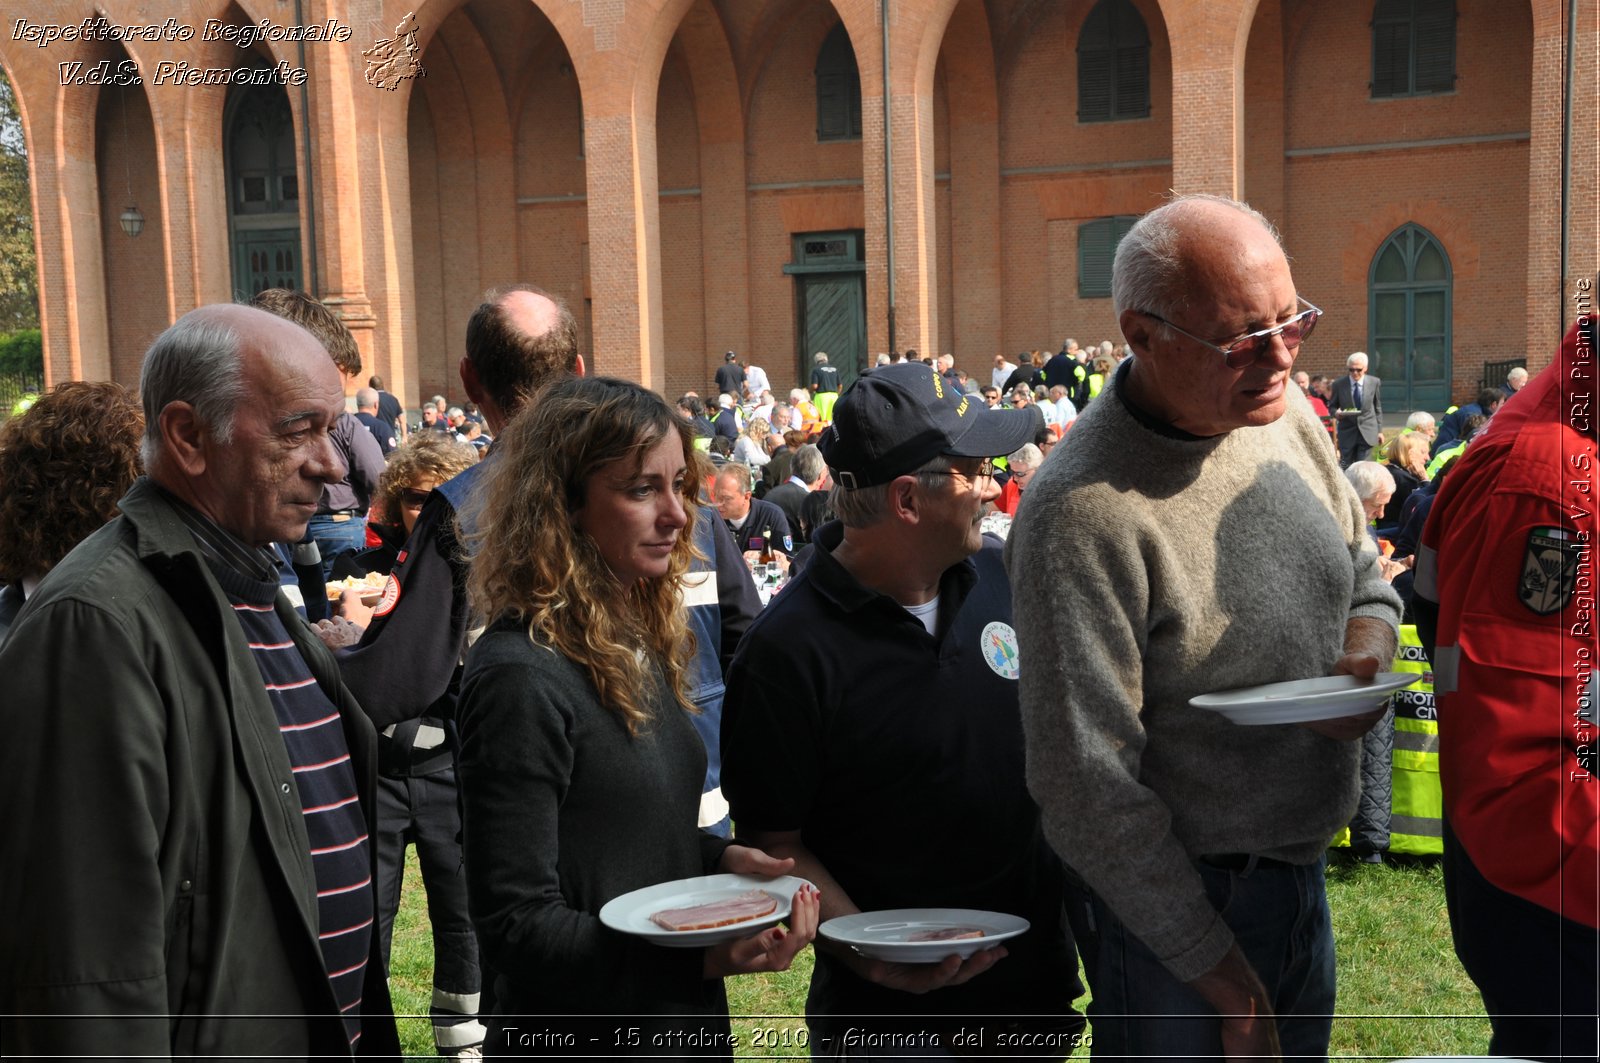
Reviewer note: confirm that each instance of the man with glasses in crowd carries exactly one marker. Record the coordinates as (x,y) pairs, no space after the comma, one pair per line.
(1358,409)
(884,677)
(754,523)
(1230,553)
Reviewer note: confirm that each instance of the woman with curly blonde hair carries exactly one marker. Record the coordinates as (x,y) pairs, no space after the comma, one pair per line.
(64,463)
(580,769)
(751,448)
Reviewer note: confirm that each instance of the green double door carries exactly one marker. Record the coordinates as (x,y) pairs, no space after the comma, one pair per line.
(266,258)
(1410,322)
(1411,348)
(831,303)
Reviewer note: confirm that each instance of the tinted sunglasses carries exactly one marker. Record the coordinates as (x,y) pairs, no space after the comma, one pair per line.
(1246,349)
(411,498)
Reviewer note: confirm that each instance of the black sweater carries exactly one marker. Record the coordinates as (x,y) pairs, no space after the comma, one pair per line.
(563,812)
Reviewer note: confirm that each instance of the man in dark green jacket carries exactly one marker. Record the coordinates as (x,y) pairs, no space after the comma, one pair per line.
(165,886)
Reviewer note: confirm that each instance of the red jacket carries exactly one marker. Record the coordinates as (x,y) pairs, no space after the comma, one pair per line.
(1508,554)
(1010,496)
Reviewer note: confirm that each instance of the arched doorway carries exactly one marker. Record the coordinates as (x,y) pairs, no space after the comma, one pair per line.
(1409,327)
(263,190)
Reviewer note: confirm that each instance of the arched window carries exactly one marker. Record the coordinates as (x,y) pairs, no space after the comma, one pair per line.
(261,144)
(263,190)
(1413,47)
(1113,64)
(838,88)
(1409,326)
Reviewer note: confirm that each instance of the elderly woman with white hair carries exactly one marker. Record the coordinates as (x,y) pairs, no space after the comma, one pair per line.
(1374,486)
(1022,464)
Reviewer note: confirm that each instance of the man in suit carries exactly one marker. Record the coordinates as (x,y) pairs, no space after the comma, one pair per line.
(1358,409)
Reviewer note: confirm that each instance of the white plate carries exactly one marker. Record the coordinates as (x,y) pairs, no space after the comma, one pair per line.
(1326,698)
(882,935)
(631,912)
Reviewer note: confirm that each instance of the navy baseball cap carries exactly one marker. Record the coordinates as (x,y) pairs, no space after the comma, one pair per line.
(896,418)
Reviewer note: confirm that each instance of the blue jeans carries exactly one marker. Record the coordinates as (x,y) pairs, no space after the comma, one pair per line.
(336,536)
(1279,916)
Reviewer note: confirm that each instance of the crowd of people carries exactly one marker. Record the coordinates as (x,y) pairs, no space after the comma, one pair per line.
(560,685)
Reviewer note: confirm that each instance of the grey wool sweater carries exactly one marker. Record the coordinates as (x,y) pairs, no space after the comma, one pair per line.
(1147,569)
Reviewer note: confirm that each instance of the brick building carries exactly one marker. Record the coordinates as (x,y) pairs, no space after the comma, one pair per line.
(695,176)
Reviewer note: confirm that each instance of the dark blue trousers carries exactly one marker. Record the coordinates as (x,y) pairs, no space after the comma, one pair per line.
(1537,972)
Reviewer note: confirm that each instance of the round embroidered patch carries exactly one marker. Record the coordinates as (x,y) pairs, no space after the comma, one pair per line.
(999,645)
(391,597)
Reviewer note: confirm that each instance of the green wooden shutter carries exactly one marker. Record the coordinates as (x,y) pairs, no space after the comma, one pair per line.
(833,106)
(1133,82)
(838,88)
(1435,38)
(1094,86)
(1095,65)
(1391,56)
(1096,246)
(1113,64)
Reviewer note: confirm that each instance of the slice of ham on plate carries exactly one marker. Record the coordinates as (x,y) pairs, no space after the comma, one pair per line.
(922,935)
(947,933)
(752,904)
(696,912)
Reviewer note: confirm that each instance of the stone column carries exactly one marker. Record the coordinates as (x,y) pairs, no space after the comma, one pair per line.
(915,31)
(620,77)
(340,179)
(60,126)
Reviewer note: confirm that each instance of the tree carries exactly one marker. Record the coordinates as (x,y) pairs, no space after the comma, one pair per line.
(19,275)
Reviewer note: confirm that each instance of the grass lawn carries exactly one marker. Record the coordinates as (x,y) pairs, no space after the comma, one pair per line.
(1401,991)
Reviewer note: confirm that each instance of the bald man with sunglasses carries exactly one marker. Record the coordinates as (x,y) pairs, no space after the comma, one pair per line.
(1230,552)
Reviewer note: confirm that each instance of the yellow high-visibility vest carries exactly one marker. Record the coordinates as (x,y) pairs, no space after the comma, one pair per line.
(1415,823)
(1415,807)
(1445,455)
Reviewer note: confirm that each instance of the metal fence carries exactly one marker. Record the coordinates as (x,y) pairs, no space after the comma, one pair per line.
(15,385)
(1494,373)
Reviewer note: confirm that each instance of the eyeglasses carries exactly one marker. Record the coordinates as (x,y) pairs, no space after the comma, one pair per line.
(985,472)
(411,498)
(1246,349)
